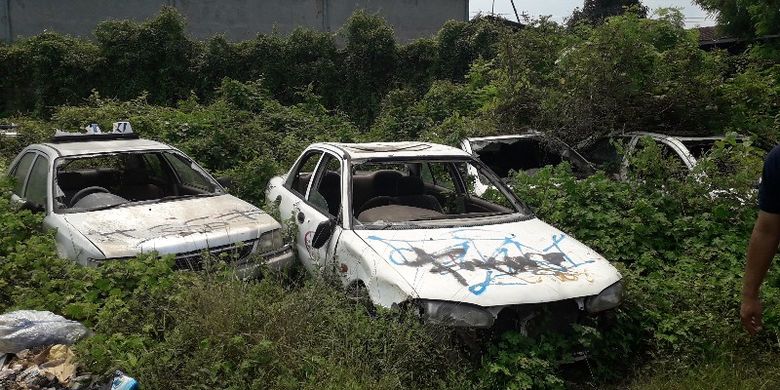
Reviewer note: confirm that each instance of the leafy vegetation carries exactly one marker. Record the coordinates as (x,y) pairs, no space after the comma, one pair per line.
(746,18)
(247,109)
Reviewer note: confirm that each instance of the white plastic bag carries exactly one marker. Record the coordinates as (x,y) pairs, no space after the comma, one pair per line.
(25,329)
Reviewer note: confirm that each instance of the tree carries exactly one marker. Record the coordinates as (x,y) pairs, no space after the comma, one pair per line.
(746,18)
(370,60)
(595,11)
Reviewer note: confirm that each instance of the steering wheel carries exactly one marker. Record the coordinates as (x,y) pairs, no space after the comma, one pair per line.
(86,191)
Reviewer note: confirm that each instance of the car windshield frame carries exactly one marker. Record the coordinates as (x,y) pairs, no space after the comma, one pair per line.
(521,210)
(59,161)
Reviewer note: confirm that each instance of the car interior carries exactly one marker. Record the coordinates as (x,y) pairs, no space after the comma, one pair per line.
(397,191)
(417,191)
(94,181)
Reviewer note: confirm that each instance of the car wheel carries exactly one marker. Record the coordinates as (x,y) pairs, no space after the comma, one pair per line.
(358,294)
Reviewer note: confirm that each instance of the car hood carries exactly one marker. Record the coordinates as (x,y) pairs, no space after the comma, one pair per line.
(176,226)
(503,264)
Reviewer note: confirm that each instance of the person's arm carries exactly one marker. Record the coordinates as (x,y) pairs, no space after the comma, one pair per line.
(762,248)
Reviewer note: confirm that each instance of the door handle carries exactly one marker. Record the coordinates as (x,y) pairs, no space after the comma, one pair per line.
(301,217)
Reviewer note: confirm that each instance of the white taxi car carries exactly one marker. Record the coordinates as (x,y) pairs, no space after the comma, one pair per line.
(403,221)
(112,196)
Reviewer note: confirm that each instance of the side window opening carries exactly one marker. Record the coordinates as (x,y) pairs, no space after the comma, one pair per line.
(326,192)
(655,158)
(154,167)
(673,158)
(303,173)
(442,176)
(35,192)
(187,175)
(20,173)
(426,175)
(604,155)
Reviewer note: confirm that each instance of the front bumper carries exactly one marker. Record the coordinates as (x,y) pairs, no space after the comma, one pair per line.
(251,267)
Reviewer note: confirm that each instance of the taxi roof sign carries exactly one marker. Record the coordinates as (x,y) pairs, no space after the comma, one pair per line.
(122,127)
(119,130)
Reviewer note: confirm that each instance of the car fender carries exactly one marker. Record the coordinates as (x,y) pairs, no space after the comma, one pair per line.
(357,261)
(71,243)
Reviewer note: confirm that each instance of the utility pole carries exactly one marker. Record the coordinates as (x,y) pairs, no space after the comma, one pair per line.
(515,8)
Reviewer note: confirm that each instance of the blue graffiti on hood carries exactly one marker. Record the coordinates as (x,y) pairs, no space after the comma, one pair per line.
(508,257)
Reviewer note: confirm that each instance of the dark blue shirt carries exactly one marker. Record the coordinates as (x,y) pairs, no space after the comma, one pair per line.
(769,191)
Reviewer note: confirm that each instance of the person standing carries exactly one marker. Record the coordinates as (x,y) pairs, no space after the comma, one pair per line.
(763,243)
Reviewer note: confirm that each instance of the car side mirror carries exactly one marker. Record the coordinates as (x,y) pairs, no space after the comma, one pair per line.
(225,181)
(322,234)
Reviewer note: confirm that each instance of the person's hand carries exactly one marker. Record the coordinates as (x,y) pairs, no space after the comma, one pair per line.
(750,312)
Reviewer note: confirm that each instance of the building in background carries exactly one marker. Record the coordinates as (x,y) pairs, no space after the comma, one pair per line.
(236,19)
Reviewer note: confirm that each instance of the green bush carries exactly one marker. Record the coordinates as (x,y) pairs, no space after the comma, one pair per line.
(156,56)
(247,109)
(46,70)
(633,74)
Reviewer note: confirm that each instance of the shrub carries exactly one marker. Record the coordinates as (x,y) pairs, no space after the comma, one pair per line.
(154,56)
(633,74)
(46,70)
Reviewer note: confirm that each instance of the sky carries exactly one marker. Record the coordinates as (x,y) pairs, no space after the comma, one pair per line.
(560,9)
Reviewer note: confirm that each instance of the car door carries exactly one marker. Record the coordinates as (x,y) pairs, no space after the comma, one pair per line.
(323,202)
(292,194)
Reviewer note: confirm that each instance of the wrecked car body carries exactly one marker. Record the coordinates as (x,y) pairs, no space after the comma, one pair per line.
(8,130)
(683,151)
(527,152)
(112,196)
(405,220)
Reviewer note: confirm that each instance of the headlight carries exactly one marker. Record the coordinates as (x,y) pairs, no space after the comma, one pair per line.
(456,314)
(609,298)
(270,240)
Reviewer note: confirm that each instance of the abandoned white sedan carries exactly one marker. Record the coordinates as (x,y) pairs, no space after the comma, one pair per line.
(402,220)
(112,196)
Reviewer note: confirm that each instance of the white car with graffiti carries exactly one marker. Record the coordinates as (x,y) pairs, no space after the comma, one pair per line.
(111,196)
(403,221)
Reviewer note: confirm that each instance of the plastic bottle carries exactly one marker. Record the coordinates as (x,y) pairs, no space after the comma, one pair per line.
(123,382)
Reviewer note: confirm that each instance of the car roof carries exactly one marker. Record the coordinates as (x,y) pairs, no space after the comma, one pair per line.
(106,146)
(681,138)
(371,150)
(528,134)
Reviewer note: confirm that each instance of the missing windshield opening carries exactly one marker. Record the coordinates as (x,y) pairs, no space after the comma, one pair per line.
(109,180)
(416,190)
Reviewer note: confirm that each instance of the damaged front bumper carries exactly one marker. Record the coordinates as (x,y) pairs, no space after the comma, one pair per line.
(523,317)
(278,259)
